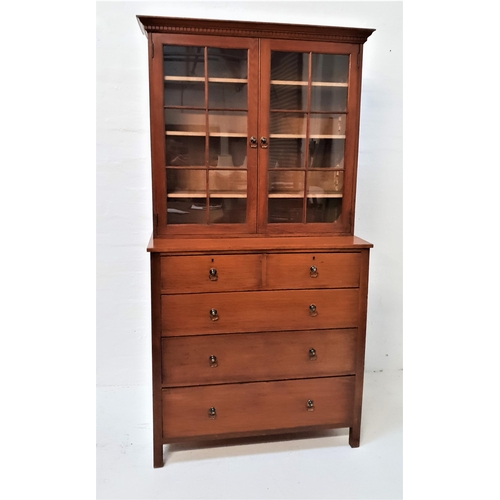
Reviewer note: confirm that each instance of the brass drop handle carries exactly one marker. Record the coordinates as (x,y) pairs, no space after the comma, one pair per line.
(212,412)
(263,143)
(213,315)
(213,361)
(212,274)
(310,405)
(313,272)
(312,310)
(312,354)
(253,142)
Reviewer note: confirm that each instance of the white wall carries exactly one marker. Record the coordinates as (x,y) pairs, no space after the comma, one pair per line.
(124,182)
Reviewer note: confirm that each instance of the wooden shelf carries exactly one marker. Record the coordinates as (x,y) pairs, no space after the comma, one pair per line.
(314,84)
(212,194)
(303,136)
(202,79)
(301,195)
(203,134)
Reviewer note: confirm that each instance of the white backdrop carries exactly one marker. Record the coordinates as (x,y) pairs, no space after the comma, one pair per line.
(124,222)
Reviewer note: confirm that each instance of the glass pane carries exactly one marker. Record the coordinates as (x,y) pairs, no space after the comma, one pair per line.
(289,97)
(227,95)
(227,63)
(288,125)
(287,153)
(330,68)
(286,184)
(183,61)
(323,209)
(326,153)
(186,196)
(228,183)
(182,93)
(327,125)
(325,184)
(285,210)
(289,66)
(183,120)
(227,152)
(326,98)
(185,151)
(230,124)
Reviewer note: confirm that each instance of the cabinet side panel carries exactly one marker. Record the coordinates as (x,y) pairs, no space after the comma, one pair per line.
(355,430)
(156,358)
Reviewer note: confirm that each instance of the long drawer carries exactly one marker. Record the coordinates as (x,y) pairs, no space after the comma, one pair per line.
(206,313)
(246,357)
(225,273)
(260,406)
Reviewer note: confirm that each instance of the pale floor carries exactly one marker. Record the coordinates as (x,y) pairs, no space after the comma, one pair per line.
(320,465)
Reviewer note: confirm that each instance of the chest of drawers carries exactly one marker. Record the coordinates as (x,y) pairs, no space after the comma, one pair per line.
(257,336)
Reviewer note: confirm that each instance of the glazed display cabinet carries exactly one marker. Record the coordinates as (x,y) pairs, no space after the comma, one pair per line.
(259,286)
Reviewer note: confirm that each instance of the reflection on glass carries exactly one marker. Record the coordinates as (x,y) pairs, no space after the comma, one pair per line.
(328,98)
(183,61)
(286,184)
(326,153)
(227,151)
(185,151)
(325,184)
(290,66)
(330,68)
(227,183)
(327,125)
(179,93)
(289,97)
(183,120)
(227,95)
(323,209)
(227,63)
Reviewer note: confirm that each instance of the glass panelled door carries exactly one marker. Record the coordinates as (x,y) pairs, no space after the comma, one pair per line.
(206,117)
(308,116)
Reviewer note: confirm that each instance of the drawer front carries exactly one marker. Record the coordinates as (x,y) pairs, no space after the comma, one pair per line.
(216,359)
(211,273)
(313,270)
(207,313)
(258,406)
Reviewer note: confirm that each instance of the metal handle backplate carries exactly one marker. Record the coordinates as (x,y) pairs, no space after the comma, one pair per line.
(213,315)
(310,405)
(313,272)
(212,274)
(312,310)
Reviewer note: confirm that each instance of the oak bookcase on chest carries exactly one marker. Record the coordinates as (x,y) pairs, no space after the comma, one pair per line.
(258,284)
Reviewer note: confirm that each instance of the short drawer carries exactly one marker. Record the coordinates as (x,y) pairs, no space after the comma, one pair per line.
(206,313)
(210,273)
(247,357)
(260,406)
(312,270)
